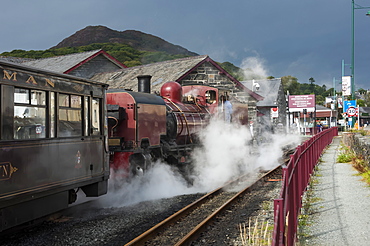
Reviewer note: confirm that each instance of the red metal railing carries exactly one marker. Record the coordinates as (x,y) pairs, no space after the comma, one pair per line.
(296,176)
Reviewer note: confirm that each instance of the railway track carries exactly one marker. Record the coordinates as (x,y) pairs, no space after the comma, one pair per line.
(187,224)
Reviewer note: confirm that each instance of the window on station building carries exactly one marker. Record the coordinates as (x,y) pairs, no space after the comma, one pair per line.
(29,114)
(70,115)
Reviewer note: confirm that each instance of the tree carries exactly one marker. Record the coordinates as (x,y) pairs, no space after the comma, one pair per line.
(312,86)
(290,84)
(362,91)
(329,92)
(320,100)
(235,71)
(367,99)
(361,103)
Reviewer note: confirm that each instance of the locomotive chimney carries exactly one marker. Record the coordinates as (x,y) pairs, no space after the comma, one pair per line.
(144,83)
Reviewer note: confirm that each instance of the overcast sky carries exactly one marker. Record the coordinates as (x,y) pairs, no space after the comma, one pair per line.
(301,38)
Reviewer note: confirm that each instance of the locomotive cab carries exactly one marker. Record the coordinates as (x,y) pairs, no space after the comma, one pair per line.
(116,115)
(202,95)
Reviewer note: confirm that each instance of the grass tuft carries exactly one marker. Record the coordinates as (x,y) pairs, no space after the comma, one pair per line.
(258,234)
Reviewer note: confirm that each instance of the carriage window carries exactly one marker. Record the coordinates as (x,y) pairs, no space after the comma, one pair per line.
(96,116)
(86,116)
(29,114)
(75,102)
(21,96)
(38,97)
(52,114)
(63,100)
(70,116)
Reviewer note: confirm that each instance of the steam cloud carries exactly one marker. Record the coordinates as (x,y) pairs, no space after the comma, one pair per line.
(253,68)
(226,152)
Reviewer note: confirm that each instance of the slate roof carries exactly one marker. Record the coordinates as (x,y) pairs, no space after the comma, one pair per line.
(269,89)
(161,72)
(67,63)
(15,59)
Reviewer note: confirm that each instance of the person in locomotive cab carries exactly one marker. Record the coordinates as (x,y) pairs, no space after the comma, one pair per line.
(209,100)
(228,108)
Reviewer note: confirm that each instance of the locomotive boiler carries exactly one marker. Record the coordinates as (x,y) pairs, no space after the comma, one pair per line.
(145,127)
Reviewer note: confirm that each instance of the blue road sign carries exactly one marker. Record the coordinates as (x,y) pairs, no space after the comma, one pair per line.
(347,104)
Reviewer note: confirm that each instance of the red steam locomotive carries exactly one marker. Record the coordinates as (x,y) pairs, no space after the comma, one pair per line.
(143,127)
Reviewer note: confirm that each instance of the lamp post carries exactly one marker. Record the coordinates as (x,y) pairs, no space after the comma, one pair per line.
(354,6)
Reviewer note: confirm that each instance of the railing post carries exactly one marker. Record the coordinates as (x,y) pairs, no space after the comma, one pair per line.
(278,238)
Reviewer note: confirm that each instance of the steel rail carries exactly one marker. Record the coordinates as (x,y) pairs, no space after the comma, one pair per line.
(201,227)
(193,234)
(149,234)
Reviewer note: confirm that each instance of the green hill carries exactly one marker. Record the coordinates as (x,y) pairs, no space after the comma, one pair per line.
(130,47)
(135,39)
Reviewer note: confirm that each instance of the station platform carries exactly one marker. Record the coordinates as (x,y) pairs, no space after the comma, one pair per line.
(341,205)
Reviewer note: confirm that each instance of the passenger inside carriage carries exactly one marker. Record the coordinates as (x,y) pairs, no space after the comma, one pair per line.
(29,124)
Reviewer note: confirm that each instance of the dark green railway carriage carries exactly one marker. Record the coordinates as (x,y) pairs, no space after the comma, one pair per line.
(52,142)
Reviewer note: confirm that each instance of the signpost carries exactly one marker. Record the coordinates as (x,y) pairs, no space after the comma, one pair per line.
(350,111)
(347,104)
(346,85)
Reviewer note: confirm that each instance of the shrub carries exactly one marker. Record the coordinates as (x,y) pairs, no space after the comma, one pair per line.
(346,155)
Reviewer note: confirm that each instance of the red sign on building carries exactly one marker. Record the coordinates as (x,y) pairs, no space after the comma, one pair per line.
(299,102)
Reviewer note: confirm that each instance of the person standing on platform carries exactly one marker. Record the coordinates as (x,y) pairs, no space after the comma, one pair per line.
(228,109)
